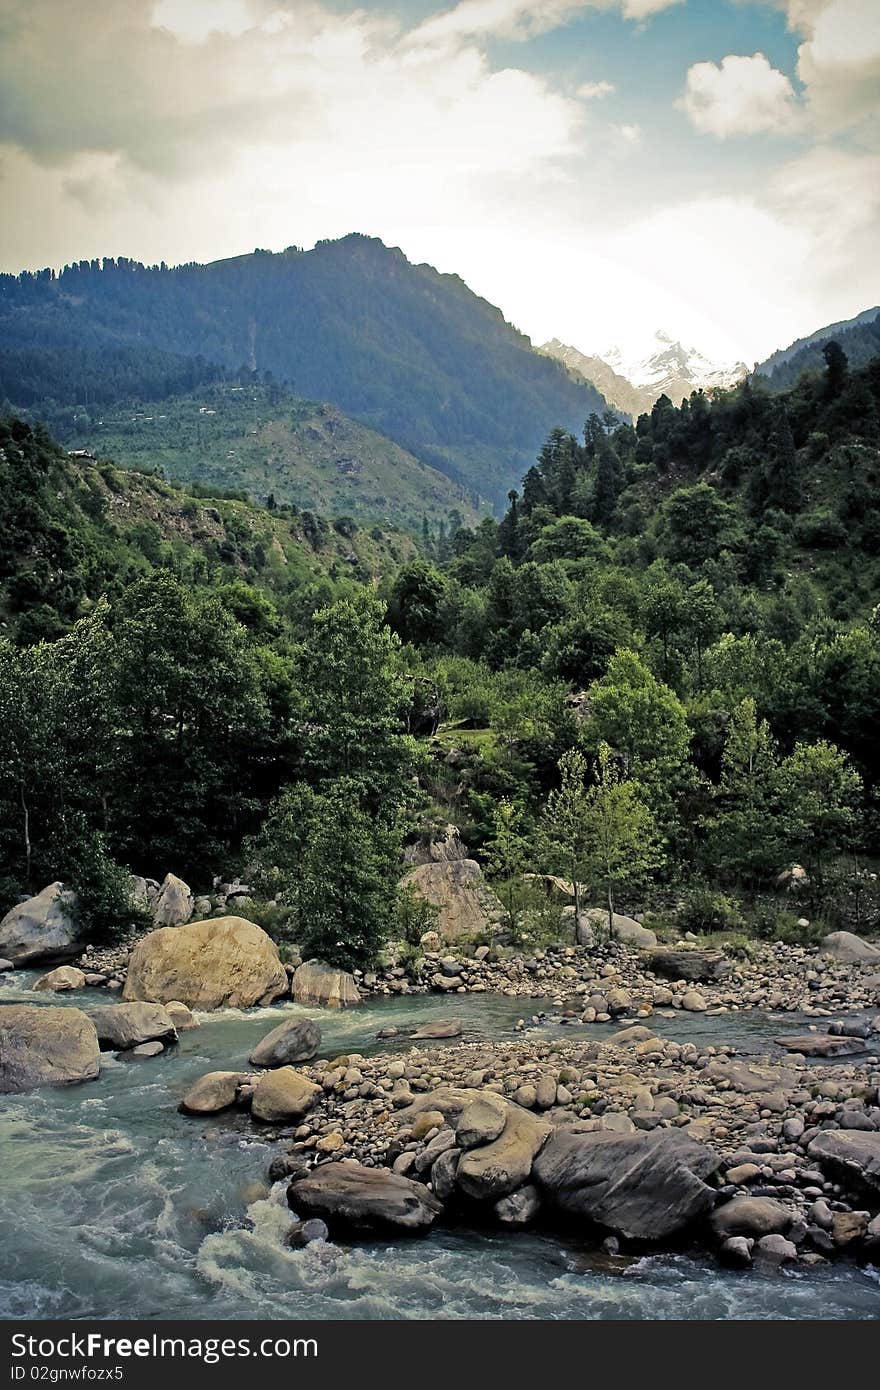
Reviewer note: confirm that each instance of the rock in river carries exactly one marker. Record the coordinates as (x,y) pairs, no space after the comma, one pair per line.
(62,978)
(224,961)
(821,1045)
(46,1046)
(751,1216)
(494,1170)
(366,1201)
(214,1091)
(644,1186)
(295,1040)
(41,930)
(128,1025)
(283,1095)
(315,982)
(443,1028)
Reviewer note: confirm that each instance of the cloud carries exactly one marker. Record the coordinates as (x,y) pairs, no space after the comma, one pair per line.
(521,19)
(595,91)
(741,96)
(839,64)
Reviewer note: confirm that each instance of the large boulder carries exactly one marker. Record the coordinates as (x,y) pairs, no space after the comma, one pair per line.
(366,1201)
(222,962)
(844,946)
(283,1095)
(216,1090)
(644,1186)
(684,963)
(465,905)
(444,846)
(440,1029)
(493,1170)
(175,902)
(625,929)
(315,982)
(122,1026)
(481,1122)
(295,1040)
(852,1156)
(61,979)
(46,1046)
(42,930)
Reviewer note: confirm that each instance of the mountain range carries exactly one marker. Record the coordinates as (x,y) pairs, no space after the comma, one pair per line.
(404,350)
(668,368)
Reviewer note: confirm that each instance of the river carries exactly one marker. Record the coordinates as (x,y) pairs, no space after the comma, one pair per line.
(114,1205)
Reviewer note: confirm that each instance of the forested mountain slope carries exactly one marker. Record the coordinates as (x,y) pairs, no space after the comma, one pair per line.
(410,352)
(859,338)
(73,530)
(259,439)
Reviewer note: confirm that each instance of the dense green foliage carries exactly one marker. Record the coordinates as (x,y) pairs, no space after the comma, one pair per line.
(411,353)
(658,676)
(698,593)
(252,437)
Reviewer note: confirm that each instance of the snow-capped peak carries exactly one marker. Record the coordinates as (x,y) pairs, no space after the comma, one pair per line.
(669,362)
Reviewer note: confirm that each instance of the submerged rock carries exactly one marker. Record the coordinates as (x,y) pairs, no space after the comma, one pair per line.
(42,929)
(442,1028)
(365,1201)
(821,1045)
(46,1046)
(225,961)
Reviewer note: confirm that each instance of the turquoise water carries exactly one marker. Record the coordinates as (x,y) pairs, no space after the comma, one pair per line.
(112,1204)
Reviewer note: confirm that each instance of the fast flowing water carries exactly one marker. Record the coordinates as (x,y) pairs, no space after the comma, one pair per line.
(114,1205)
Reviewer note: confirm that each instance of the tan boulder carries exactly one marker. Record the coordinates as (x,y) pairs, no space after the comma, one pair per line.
(465,905)
(62,978)
(221,962)
(42,929)
(45,1045)
(283,1094)
(124,1026)
(496,1169)
(315,982)
(214,1091)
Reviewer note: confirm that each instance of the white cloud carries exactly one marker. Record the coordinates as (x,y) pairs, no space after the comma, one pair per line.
(741,96)
(521,19)
(839,64)
(595,91)
(632,134)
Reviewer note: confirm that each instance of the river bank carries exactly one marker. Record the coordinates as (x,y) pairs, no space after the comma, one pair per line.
(182,1210)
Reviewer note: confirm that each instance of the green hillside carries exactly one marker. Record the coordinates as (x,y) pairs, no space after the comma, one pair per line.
(403,349)
(265,442)
(73,529)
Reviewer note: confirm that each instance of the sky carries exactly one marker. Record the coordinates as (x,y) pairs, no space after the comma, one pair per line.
(597,168)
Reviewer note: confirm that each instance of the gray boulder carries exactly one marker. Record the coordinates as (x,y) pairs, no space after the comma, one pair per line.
(846,947)
(216,1090)
(682,963)
(644,1186)
(625,929)
(175,903)
(481,1122)
(852,1156)
(122,1026)
(41,930)
(46,1046)
(365,1201)
(296,1040)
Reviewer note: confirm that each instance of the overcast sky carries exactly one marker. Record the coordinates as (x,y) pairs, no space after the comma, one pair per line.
(598,168)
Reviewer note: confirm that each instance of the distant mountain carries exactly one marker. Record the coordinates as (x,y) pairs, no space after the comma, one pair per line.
(667,369)
(859,337)
(413,354)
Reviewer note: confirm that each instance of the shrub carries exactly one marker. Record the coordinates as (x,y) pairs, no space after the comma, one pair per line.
(105,910)
(705,910)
